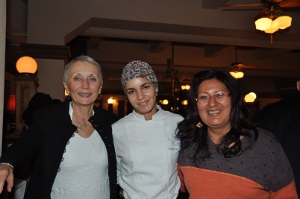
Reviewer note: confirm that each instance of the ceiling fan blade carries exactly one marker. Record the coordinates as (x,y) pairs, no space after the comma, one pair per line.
(240,66)
(234,64)
(290,4)
(243,5)
(237,66)
(251,67)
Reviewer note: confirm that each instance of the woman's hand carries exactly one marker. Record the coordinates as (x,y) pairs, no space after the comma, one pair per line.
(6,175)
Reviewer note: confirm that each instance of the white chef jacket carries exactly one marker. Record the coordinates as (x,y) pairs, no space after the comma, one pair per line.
(147,153)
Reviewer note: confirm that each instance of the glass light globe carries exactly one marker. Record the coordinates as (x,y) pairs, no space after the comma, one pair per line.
(26,64)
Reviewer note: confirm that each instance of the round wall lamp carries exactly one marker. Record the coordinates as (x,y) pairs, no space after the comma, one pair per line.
(184,102)
(165,102)
(111,100)
(27,65)
(250,97)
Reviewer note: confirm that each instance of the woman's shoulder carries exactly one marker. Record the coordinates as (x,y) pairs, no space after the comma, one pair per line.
(55,110)
(101,113)
(170,115)
(267,141)
(124,120)
(264,135)
(271,151)
(100,110)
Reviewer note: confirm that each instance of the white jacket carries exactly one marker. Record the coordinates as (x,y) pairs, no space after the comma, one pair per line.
(147,153)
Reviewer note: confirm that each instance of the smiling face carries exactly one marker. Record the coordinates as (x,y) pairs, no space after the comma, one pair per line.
(214,105)
(83,83)
(141,94)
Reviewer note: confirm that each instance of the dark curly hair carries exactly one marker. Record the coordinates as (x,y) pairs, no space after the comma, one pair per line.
(230,145)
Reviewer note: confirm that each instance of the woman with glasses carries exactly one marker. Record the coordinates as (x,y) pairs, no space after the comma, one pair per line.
(222,154)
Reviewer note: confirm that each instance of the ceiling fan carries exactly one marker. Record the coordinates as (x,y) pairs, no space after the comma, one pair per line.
(271,8)
(237,66)
(271,18)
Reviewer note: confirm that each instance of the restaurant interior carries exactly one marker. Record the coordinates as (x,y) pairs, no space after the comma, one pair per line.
(177,38)
(258,41)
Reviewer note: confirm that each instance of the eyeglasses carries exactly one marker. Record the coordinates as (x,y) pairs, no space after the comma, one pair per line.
(219,97)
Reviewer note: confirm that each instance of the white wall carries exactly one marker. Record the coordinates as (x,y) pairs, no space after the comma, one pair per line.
(50,75)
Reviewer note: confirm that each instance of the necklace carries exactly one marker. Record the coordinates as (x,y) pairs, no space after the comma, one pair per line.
(80,126)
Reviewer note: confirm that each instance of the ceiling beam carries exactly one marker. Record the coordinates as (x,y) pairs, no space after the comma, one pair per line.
(157,47)
(262,53)
(213,4)
(16,38)
(46,51)
(216,50)
(176,33)
(94,42)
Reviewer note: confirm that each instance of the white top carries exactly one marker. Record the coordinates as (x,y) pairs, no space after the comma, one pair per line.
(83,172)
(147,153)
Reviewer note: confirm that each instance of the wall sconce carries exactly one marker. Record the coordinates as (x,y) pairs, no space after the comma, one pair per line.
(185,85)
(111,100)
(237,74)
(165,102)
(110,103)
(250,97)
(184,102)
(26,65)
(11,104)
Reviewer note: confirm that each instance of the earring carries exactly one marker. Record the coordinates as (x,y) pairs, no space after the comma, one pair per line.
(199,125)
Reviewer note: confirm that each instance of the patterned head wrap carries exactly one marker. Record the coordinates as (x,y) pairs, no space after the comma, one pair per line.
(136,69)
